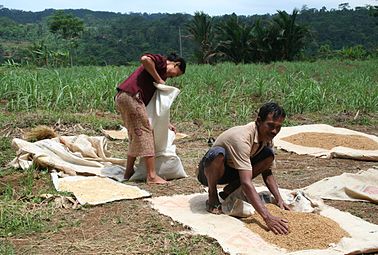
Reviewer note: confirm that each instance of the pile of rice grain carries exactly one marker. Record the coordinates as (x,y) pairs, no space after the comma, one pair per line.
(306,230)
(329,141)
(93,190)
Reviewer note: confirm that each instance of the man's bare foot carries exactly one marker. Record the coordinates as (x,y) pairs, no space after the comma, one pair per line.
(128,174)
(156,180)
(213,208)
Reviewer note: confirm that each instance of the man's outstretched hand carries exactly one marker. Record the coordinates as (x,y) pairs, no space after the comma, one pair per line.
(278,225)
(281,204)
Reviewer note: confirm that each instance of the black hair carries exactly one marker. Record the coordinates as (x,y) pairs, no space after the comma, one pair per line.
(271,107)
(175,58)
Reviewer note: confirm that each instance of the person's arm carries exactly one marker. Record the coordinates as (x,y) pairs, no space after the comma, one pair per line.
(276,224)
(271,183)
(149,65)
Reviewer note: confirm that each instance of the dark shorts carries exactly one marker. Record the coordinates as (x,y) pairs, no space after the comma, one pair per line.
(230,174)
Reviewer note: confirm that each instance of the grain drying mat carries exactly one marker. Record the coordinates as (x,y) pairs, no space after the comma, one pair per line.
(236,238)
(322,140)
(96,190)
(362,186)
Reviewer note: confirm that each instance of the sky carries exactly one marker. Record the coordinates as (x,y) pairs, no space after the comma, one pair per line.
(211,7)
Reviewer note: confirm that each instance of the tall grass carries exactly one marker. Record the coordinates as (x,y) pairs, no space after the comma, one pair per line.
(225,93)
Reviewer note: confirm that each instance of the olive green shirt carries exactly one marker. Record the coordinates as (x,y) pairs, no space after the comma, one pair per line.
(241,144)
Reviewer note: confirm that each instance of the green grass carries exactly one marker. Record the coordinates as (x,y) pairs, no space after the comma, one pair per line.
(6,248)
(20,213)
(225,93)
(7,152)
(181,244)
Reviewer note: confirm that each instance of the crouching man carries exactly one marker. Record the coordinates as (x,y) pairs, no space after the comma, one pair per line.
(240,154)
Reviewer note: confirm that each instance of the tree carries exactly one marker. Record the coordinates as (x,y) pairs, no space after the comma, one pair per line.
(201,32)
(264,40)
(68,27)
(373,10)
(291,37)
(344,6)
(234,40)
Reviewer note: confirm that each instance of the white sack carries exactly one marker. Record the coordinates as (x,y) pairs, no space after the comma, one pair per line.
(236,204)
(168,165)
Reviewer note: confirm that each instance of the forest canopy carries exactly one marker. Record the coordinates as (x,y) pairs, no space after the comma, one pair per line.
(84,37)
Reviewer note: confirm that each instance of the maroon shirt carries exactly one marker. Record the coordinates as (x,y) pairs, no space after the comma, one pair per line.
(140,81)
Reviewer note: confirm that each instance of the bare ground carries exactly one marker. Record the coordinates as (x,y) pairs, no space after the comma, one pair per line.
(132,227)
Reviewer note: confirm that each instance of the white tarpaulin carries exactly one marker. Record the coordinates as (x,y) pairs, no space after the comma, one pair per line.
(168,164)
(79,155)
(72,155)
(336,152)
(236,238)
(362,186)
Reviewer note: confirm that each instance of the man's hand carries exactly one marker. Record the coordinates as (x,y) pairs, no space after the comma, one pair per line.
(277,225)
(281,204)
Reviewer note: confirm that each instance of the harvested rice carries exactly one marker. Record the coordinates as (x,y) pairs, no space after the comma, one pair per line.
(329,141)
(95,189)
(39,133)
(306,230)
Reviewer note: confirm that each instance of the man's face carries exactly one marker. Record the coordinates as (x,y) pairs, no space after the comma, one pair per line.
(269,128)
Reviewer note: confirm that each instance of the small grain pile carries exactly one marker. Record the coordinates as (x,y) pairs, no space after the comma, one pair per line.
(306,230)
(93,190)
(329,141)
(39,133)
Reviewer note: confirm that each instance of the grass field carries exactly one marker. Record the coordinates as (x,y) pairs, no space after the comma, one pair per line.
(221,94)
(212,98)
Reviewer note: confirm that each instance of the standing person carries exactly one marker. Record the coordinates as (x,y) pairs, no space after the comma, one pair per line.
(240,154)
(133,96)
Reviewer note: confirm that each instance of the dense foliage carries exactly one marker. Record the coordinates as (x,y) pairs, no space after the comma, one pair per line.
(84,37)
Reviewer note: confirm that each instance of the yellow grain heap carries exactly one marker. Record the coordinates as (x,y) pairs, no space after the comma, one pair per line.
(93,190)
(306,230)
(329,141)
(40,133)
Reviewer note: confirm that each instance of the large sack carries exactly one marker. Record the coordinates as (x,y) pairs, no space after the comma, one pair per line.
(168,164)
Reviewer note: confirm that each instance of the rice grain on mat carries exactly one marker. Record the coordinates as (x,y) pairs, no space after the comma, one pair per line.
(93,190)
(306,230)
(329,141)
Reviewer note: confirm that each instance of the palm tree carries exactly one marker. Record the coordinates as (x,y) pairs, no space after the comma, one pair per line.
(261,43)
(201,32)
(290,36)
(234,40)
